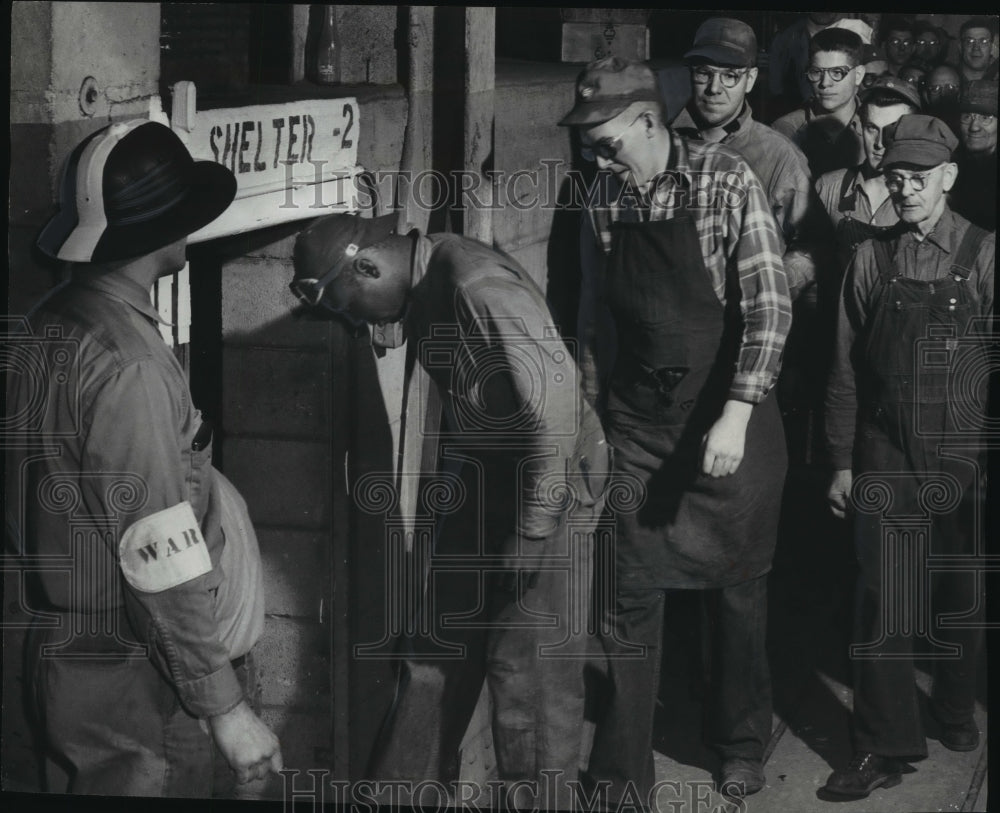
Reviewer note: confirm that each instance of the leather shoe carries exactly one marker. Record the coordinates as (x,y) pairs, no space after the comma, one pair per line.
(741,777)
(866,772)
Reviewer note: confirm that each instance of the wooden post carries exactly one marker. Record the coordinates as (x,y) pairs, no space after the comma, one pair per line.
(478,763)
(480,81)
(417,138)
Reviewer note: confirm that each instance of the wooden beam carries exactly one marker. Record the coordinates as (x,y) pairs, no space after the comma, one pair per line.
(420,100)
(480,81)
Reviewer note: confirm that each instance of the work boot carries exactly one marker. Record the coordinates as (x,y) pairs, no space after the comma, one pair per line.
(963,736)
(740,777)
(866,772)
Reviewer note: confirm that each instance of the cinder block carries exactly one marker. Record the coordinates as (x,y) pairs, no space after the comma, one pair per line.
(369,52)
(285,483)
(296,572)
(293,665)
(277,391)
(122,53)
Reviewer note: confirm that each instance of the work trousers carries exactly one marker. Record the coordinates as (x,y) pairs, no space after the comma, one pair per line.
(528,641)
(113,726)
(903,597)
(737,720)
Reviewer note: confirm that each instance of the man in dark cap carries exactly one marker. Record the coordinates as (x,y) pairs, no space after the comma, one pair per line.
(535,470)
(903,423)
(723,70)
(690,258)
(975,192)
(110,475)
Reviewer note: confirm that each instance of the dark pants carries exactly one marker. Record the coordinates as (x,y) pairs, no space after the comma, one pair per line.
(113,726)
(738,716)
(901,599)
(528,644)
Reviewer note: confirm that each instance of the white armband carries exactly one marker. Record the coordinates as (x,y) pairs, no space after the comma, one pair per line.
(164,549)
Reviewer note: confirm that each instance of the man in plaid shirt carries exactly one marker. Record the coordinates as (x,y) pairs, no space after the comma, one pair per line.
(689,272)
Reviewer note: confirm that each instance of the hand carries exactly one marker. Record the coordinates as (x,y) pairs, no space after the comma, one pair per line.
(249,746)
(724,444)
(839,493)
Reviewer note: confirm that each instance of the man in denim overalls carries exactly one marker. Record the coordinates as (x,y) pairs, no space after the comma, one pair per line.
(905,413)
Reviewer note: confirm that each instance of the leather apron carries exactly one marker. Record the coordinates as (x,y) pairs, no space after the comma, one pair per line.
(677,355)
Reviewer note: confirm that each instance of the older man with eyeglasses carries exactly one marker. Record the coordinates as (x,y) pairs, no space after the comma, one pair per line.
(827,128)
(905,415)
(975,192)
(690,258)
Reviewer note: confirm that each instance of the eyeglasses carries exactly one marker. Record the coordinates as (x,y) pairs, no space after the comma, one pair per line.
(983,41)
(913,80)
(918,180)
(897,41)
(979,118)
(934,90)
(927,42)
(729,78)
(836,74)
(606,148)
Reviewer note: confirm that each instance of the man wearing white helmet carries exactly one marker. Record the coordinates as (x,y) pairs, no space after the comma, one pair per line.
(135,671)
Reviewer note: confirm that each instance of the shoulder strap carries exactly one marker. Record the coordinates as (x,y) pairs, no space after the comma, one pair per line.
(885,245)
(966,255)
(847,185)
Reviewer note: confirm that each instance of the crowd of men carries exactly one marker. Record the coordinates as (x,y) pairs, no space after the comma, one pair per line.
(852,232)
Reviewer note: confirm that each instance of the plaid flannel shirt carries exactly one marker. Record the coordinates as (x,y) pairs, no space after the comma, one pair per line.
(737,233)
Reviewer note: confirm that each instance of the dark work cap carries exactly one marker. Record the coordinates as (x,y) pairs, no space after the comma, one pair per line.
(326,245)
(608,86)
(724,41)
(920,141)
(887,84)
(979,96)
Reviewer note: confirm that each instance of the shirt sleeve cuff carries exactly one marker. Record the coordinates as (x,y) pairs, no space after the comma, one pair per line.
(212,694)
(840,460)
(750,387)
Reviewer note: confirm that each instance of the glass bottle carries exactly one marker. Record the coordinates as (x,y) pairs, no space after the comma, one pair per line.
(323,63)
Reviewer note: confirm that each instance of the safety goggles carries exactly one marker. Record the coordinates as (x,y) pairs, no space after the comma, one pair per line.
(606,148)
(309,290)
